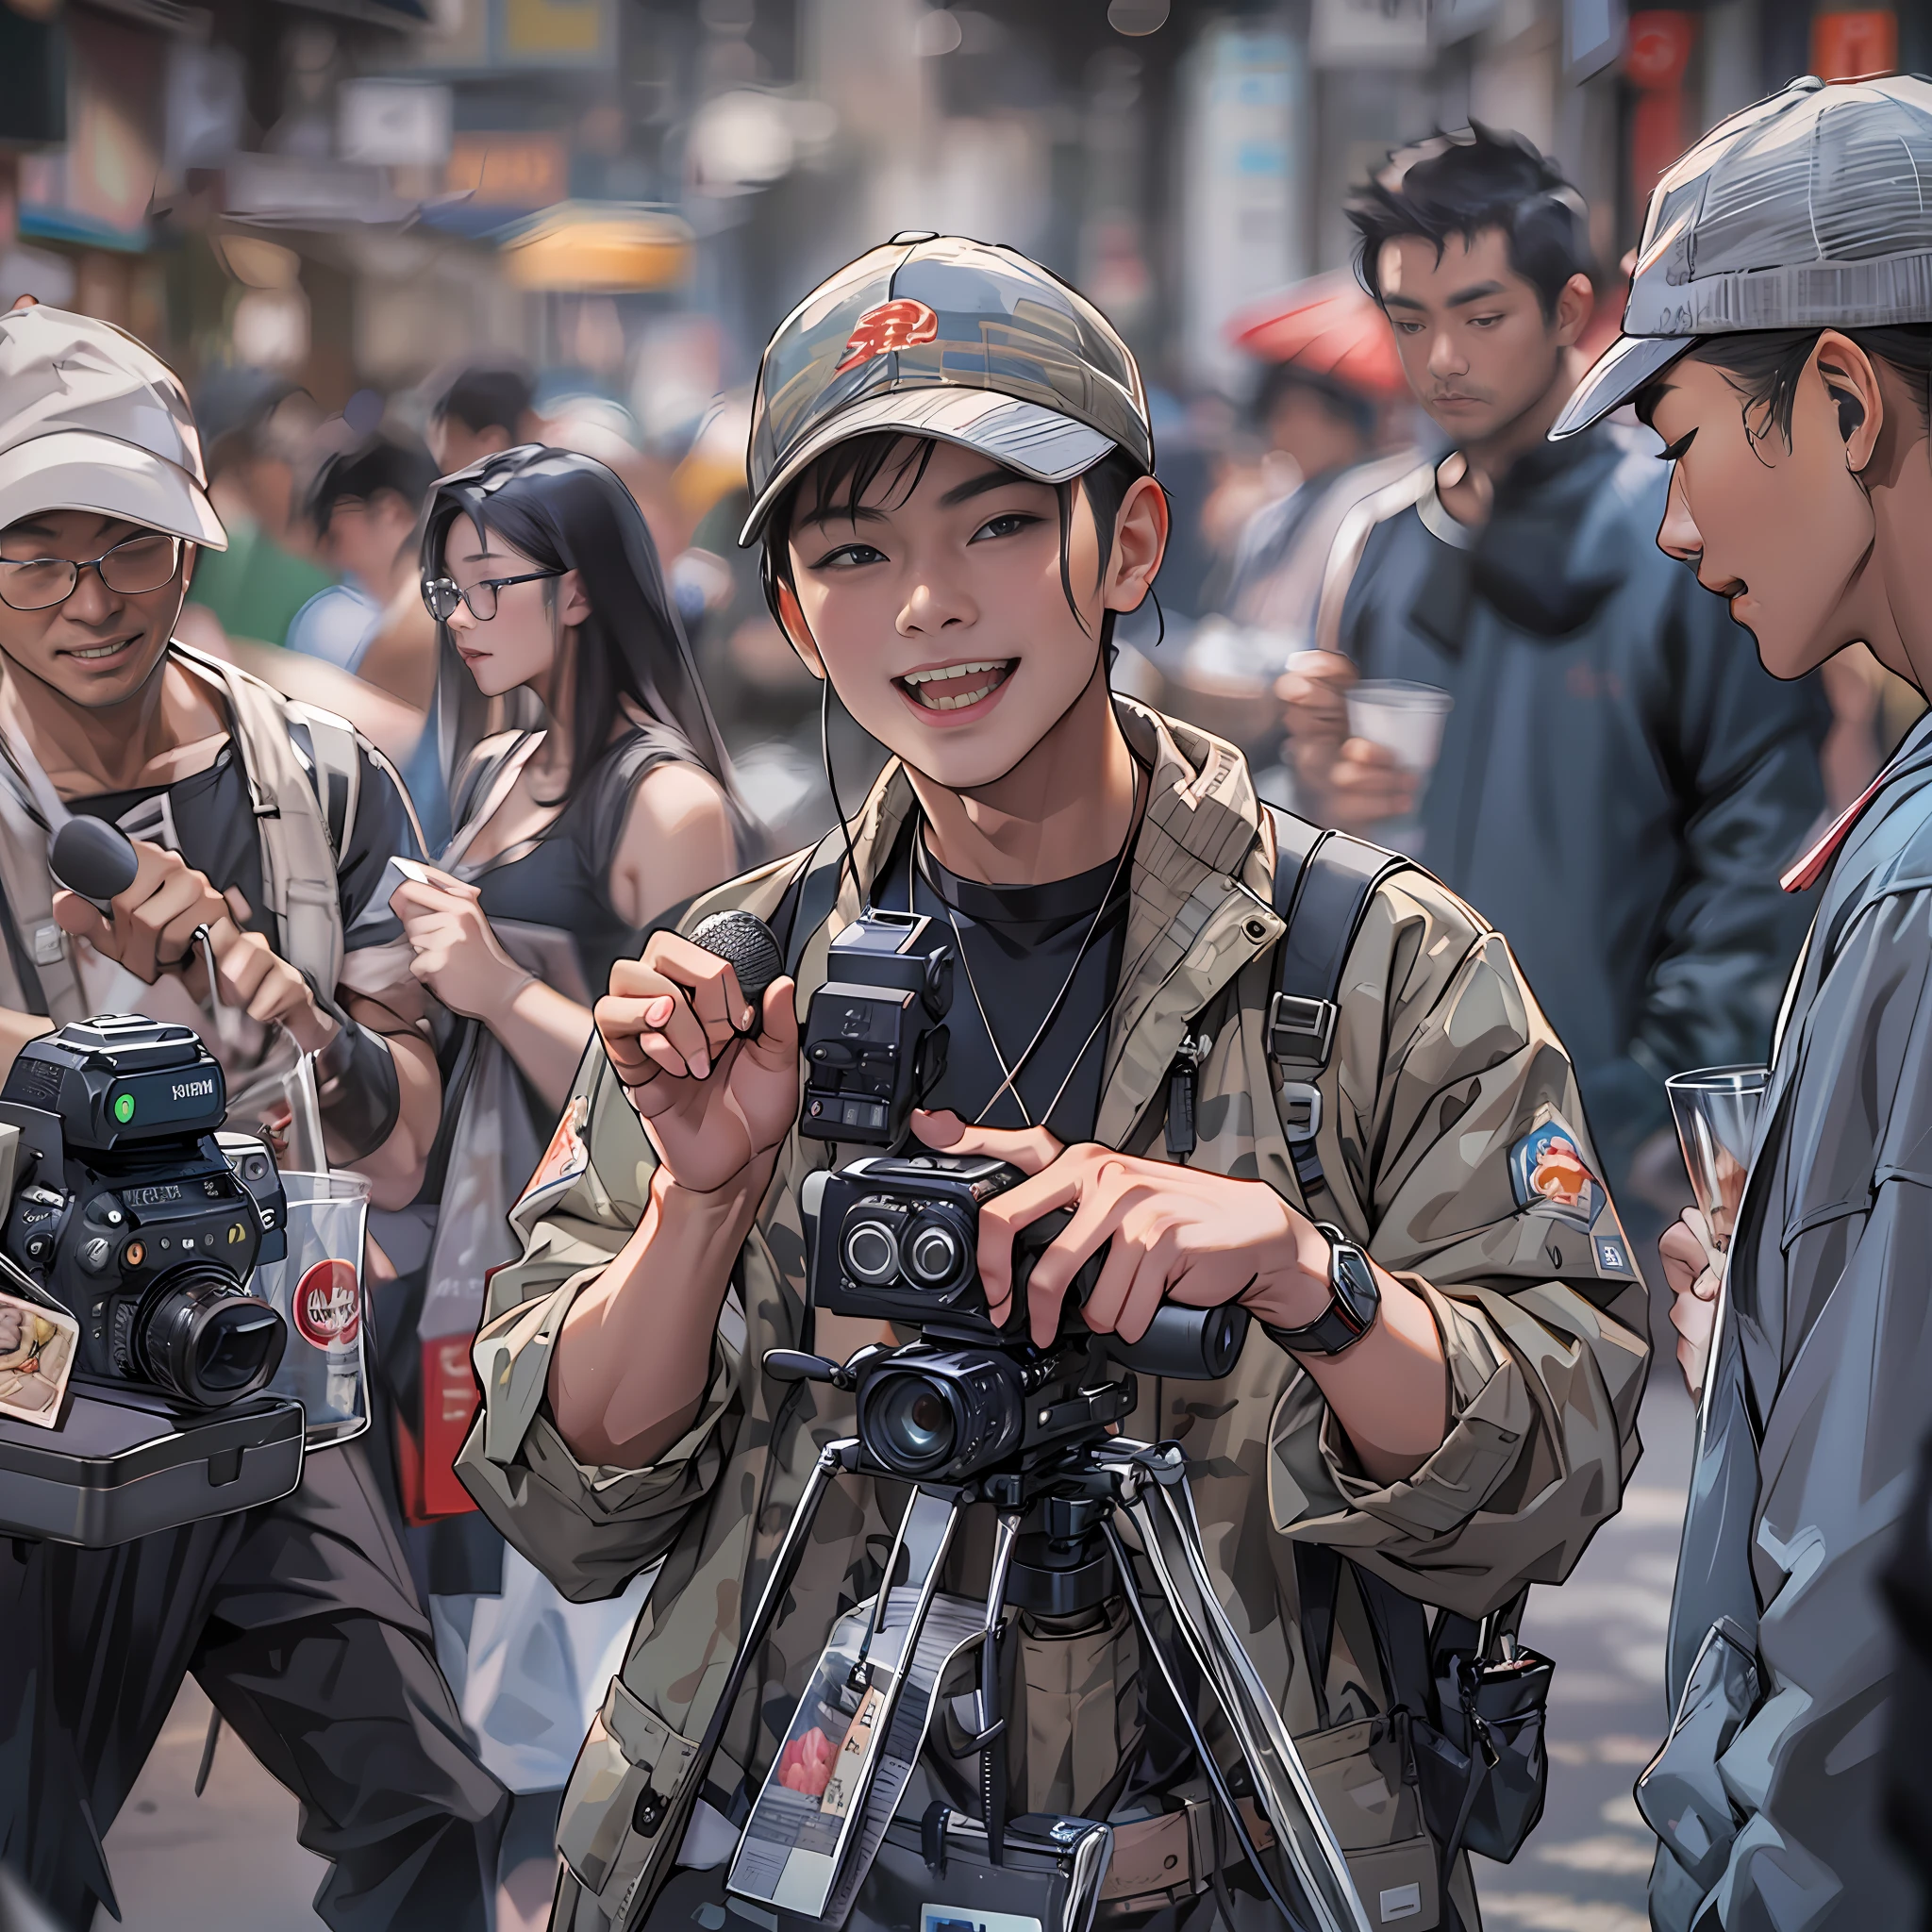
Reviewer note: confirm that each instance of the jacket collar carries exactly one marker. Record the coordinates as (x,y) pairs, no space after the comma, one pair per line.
(1198,909)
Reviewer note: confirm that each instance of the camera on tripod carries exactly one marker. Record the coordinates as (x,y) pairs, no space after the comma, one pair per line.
(895,1238)
(129,1210)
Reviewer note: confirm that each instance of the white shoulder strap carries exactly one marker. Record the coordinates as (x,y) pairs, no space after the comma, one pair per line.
(292,813)
(1352,537)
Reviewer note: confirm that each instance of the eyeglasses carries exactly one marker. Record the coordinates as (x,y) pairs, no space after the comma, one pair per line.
(137,564)
(440,596)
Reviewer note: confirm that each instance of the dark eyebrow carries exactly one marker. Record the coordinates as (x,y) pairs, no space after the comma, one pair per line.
(1480,293)
(840,514)
(979,485)
(1400,302)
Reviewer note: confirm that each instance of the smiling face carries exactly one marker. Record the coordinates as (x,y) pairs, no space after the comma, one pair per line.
(1781,529)
(939,610)
(518,645)
(98,646)
(1476,345)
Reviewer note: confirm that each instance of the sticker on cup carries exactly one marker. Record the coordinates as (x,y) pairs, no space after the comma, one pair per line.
(327,1310)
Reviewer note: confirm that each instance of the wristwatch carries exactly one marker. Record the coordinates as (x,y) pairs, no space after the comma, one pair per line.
(1354,1297)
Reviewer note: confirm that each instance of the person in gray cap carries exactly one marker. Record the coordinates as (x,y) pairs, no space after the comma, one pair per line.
(272,825)
(951,487)
(1778,337)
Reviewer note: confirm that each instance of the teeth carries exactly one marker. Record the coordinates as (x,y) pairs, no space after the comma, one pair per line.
(104,650)
(953,671)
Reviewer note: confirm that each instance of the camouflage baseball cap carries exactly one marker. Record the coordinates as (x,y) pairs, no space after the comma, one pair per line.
(935,335)
(91,418)
(1808,210)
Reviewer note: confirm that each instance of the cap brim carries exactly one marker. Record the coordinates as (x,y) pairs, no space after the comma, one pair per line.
(1037,442)
(1616,375)
(80,468)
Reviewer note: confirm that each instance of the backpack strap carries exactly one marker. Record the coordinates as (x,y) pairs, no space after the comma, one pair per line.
(304,776)
(1323,881)
(40,957)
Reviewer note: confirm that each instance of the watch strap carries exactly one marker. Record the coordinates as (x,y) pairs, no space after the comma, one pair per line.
(1337,1327)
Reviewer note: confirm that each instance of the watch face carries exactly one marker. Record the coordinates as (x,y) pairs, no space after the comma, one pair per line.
(1355,1283)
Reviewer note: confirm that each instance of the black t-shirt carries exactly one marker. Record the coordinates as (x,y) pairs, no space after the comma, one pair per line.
(214,830)
(1021,943)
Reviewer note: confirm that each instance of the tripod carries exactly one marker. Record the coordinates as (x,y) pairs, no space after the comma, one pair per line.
(886,1661)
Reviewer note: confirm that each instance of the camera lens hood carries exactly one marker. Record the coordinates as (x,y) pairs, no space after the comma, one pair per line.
(201,1336)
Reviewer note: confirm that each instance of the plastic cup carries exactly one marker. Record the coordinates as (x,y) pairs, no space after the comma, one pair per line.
(1405,718)
(319,1291)
(1716,1111)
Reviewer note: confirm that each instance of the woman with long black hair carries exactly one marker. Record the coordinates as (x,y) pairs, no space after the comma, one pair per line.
(570,837)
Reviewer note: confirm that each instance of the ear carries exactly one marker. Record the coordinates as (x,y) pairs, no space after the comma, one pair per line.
(572,602)
(1857,399)
(792,617)
(1139,542)
(1576,305)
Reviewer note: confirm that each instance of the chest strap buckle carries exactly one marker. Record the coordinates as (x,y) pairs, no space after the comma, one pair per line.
(1300,1031)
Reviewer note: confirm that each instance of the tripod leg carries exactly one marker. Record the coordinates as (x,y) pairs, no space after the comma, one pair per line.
(992,1727)
(1171,1543)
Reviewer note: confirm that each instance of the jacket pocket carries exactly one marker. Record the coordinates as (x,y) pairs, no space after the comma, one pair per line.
(623,1788)
(1681,1793)
(1364,1777)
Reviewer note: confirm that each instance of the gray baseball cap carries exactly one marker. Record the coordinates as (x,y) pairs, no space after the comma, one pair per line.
(91,418)
(935,335)
(1812,209)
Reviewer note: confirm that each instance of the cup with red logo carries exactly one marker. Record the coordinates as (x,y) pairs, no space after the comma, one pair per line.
(319,1291)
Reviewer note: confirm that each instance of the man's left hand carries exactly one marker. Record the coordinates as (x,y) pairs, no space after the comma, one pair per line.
(1177,1233)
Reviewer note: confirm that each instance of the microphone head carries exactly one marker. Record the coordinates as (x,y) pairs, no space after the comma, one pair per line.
(753,949)
(92,858)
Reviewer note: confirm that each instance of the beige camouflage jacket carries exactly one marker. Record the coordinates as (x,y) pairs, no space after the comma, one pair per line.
(1437,1103)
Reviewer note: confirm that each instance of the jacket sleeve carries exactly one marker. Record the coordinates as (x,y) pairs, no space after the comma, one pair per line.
(1457,1149)
(1745,749)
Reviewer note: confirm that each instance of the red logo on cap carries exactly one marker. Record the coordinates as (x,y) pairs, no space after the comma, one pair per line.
(901,325)
(327,1310)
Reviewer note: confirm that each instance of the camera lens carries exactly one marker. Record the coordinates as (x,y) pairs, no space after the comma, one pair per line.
(916,1427)
(203,1337)
(936,1250)
(871,1250)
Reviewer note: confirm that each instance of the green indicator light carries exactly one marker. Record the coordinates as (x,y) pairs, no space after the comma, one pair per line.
(123,1108)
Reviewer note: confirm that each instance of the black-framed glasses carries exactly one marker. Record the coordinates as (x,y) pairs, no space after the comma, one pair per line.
(440,596)
(135,564)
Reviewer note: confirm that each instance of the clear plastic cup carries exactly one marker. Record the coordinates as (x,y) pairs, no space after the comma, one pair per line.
(1405,718)
(319,1293)
(1716,1111)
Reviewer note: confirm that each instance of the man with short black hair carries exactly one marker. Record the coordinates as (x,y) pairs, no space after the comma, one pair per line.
(479,409)
(1619,782)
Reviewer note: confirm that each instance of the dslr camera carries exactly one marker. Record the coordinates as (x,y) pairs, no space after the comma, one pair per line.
(895,1238)
(128,1206)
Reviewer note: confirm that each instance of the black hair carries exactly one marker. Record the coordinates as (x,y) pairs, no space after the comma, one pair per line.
(367,468)
(566,512)
(487,395)
(1763,365)
(838,482)
(1464,184)
(1346,405)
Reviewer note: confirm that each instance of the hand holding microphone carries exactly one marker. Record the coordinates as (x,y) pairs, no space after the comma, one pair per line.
(703,1034)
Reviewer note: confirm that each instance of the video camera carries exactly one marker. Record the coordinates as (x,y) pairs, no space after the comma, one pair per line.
(129,1212)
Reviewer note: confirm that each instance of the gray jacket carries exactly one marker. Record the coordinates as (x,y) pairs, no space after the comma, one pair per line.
(1767,1795)
(1621,780)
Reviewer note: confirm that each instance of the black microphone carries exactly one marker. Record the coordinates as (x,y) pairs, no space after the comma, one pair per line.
(752,951)
(93,858)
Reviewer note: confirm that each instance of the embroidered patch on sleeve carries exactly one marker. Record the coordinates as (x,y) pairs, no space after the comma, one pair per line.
(1547,1172)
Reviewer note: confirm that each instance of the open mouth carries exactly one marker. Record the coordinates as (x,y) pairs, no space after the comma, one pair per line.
(100,654)
(956,686)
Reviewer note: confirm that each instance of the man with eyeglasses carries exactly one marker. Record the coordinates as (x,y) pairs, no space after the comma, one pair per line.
(272,825)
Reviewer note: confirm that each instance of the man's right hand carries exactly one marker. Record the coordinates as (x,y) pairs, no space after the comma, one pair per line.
(711,1099)
(153,920)
(1348,782)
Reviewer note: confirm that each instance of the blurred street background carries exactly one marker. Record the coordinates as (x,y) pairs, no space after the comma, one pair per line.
(317,208)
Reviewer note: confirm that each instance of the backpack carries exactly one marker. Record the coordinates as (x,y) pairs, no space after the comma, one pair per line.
(304,780)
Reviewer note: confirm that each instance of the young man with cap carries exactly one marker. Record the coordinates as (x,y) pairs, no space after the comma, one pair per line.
(1618,783)
(1778,337)
(950,477)
(273,824)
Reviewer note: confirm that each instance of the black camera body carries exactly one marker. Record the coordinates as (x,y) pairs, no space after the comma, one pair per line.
(895,1238)
(133,1210)
(873,1038)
